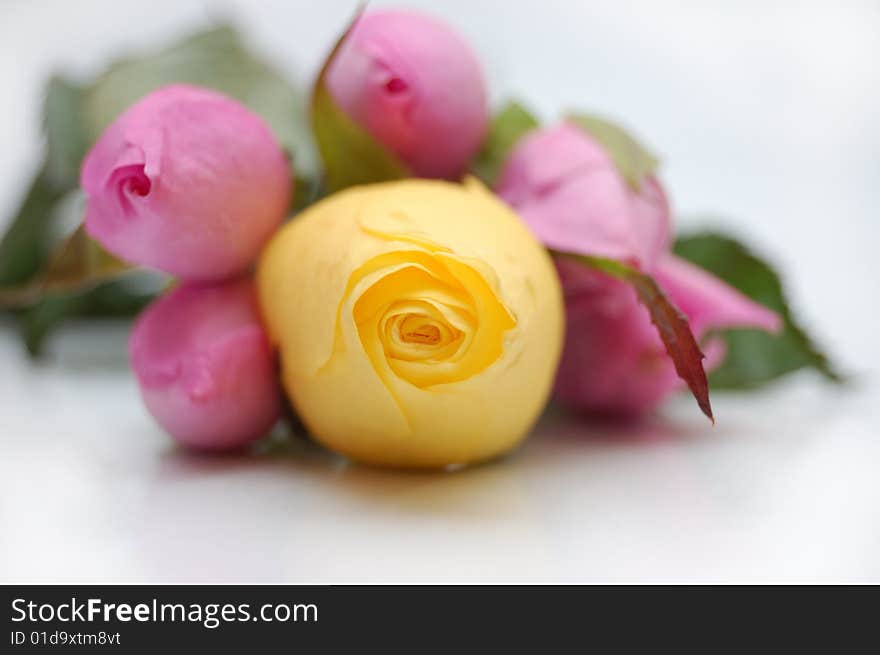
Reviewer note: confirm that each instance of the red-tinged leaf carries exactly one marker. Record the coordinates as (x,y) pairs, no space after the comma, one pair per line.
(675,332)
(672,325)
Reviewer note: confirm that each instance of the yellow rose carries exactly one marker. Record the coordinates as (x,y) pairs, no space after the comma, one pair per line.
(419,322)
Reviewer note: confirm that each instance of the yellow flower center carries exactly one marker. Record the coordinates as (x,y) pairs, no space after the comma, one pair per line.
(428,317)
(416,329)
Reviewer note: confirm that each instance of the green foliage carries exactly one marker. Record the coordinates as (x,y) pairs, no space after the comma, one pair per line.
(67,138)
(753,356)
(511,123)
(108,300)
(23,249)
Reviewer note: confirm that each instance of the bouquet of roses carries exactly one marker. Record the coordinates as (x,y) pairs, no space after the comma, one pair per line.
(417,274)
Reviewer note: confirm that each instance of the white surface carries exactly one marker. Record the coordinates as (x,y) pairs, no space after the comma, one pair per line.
(766,112)
(784,488)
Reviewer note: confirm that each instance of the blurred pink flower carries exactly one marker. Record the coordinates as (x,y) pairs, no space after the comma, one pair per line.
(187,181)
(564,185)
(204,364)
(568,190)
(613,361)
(416,87)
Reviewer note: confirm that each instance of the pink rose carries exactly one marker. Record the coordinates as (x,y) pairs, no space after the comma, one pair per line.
(568,190)
(187,181)
(570,193)
(416,87)
(204,365)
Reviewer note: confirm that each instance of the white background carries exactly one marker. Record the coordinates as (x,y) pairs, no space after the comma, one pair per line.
(767,116)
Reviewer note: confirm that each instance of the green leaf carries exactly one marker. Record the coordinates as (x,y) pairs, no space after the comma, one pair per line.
(36,322)
(28,239)
(350,155)
(507,127)
(76,265)
(67,137)
(672,325)
(80,263)
(108,300)
(44,288)
(633,160)
(754,357)
(23,247)
(308,191)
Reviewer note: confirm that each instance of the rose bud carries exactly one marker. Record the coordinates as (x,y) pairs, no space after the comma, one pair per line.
(204,365)
(430,339)
(613,361)
(187,181)
(416,87)
(569,191)
(567,188)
